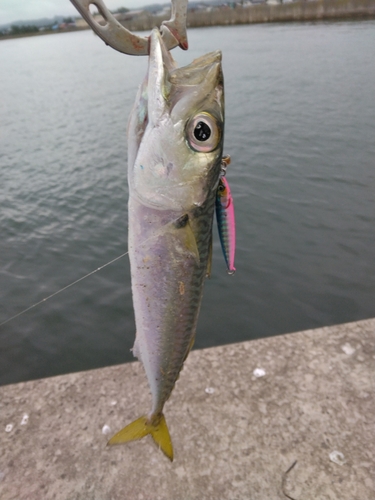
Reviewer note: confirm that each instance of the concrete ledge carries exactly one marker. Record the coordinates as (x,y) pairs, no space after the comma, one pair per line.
(235,435)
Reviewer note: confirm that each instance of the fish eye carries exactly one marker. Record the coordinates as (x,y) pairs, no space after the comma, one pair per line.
(203,133)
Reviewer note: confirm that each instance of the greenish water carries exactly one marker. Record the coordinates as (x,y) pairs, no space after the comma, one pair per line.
(300,121)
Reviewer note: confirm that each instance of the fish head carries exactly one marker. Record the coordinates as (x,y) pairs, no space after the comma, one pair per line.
(176,131)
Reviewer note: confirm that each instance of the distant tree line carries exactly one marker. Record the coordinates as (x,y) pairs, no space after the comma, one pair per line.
(120,10)
(31,28)
(20,30)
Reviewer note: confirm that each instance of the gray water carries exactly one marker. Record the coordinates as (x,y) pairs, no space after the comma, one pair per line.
(300,122)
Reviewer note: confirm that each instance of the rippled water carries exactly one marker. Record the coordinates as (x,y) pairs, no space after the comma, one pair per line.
(300,121)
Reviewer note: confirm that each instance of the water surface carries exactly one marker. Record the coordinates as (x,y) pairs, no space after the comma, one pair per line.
(300,121)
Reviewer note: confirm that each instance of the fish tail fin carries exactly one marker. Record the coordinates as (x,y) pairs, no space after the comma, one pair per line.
(141,428)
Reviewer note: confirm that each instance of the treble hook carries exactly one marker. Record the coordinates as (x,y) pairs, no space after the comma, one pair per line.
(119,38)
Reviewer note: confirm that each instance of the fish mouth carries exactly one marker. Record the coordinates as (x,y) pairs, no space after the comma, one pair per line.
(167,83)
(160,64)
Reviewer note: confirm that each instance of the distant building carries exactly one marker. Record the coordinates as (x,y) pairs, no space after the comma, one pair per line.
(81,23)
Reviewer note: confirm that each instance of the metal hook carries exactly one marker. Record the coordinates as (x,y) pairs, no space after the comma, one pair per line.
(225,161)
(119,38)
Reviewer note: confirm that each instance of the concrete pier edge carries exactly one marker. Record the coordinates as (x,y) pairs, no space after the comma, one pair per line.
(291,416)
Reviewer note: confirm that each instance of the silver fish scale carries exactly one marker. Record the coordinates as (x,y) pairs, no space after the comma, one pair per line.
(168,296)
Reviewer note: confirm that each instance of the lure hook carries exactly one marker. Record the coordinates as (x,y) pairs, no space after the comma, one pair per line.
(115,35)
(225,161)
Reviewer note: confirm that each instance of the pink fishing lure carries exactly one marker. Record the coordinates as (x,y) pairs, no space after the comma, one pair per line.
(226,223)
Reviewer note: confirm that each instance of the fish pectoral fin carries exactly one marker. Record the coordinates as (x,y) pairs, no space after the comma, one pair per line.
(182,229)
(141,428)
(191,242)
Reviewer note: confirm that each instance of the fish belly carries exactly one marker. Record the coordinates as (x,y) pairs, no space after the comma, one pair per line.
(168,254)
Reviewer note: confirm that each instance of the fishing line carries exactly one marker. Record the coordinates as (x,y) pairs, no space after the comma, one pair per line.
(64,288)
(71,284)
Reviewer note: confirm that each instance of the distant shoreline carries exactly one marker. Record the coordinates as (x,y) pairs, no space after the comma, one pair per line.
(300,11)
(55,32)
(41,33)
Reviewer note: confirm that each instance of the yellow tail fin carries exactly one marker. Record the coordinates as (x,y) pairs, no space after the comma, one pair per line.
(140,428)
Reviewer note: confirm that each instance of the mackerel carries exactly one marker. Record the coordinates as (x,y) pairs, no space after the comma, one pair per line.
(175,137)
